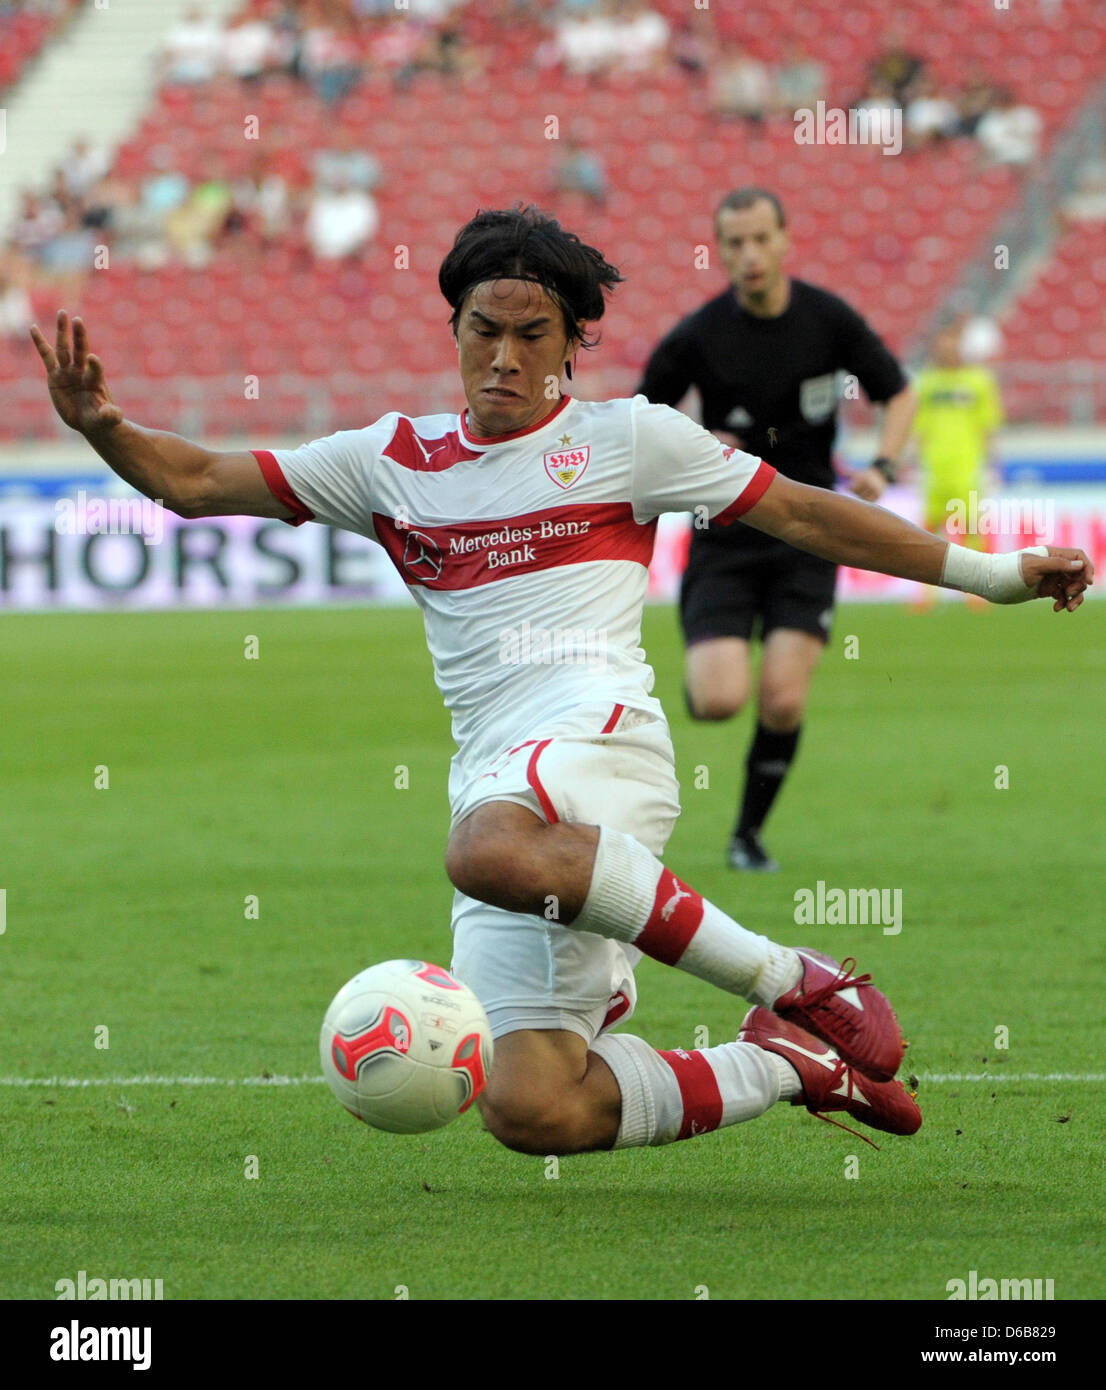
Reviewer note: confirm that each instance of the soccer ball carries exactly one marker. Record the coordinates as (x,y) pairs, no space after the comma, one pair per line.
(405,1047)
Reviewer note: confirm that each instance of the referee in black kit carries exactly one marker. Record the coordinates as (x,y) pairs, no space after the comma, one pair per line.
(765,358)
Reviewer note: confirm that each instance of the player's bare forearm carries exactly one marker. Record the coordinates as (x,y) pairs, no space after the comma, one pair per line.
(158,464)
(898,416)
(847,532)
(182,476)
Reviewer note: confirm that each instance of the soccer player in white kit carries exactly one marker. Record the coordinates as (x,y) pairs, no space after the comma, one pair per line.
(524,528)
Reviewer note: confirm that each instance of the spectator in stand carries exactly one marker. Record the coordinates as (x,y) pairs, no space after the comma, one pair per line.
(930,116)
(194,228)
(134,233)
(346,159)
(262,203)
(896,67)
(166,188)
(340,222)
(68,254)
(641,37)
(193,49)
(329,56)
(692,47)
(397,46)
(443,51)
(453,56)
(250,48)
(15,304)
(878,97)
(1088,202)
(587,44)
(800,83)
(432,11)
(70,204)
(284,20)
(740,87)
(975,100)
(83,166)
(579,170)
(99,203)
(1010,133)
(38,221)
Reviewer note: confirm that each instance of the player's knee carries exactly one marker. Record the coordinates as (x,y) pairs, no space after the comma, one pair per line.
(471,864)
(782,710)
(714,703)
(531,1123)
(487,867)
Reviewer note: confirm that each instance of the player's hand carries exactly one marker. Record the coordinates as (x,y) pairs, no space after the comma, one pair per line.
(76,379)
(869,484)
(1053,576)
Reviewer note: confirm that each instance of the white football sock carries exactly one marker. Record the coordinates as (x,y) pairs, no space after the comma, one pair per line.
(634,898)
(676,1095)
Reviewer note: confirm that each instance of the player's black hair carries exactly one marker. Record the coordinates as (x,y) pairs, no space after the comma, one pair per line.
(523,243)
(741,199)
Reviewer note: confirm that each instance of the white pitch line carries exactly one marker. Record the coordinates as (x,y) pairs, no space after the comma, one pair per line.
(940,1078)
(79,1082)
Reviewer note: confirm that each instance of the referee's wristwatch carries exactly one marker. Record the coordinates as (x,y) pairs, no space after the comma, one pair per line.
(886,466)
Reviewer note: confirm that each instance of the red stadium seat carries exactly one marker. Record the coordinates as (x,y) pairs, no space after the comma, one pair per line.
(891,233)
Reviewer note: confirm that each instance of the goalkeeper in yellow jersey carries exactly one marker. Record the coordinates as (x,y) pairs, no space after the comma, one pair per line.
(959,408)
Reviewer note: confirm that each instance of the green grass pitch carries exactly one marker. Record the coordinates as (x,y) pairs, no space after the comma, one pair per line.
(276,777)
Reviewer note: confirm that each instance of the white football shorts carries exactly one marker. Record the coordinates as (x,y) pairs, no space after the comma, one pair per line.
(612,767)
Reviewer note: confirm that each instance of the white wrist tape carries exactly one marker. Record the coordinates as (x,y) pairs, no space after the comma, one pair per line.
(994,577)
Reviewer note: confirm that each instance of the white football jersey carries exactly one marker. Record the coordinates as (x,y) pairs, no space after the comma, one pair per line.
(527,552)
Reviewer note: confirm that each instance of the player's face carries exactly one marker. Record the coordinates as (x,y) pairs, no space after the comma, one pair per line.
(946,348)
(513,348)
(752,245)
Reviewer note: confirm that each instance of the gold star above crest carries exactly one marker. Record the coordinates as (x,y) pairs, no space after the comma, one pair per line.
(566,439)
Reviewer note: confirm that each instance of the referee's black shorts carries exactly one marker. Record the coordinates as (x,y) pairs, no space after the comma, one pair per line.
(733,591)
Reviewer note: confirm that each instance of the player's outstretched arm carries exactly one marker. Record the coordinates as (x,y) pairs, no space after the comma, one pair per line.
(182,476)
(868,537)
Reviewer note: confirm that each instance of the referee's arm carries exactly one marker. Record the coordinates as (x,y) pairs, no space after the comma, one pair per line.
(898,416)
(668,375)
(853,533)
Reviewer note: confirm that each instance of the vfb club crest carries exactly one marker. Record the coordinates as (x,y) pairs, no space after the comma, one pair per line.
(566,466)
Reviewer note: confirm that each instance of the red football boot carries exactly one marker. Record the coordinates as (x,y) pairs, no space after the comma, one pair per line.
(827,1080)
(846,1011)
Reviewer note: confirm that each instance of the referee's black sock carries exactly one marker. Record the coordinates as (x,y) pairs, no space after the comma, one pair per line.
(770,756)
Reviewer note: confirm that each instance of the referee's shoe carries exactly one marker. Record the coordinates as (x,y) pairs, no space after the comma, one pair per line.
(747,852)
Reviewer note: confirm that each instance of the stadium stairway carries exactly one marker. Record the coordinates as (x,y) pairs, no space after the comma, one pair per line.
(94,81)
(22,36)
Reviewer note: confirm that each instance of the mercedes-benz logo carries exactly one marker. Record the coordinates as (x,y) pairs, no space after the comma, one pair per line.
(422,557)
